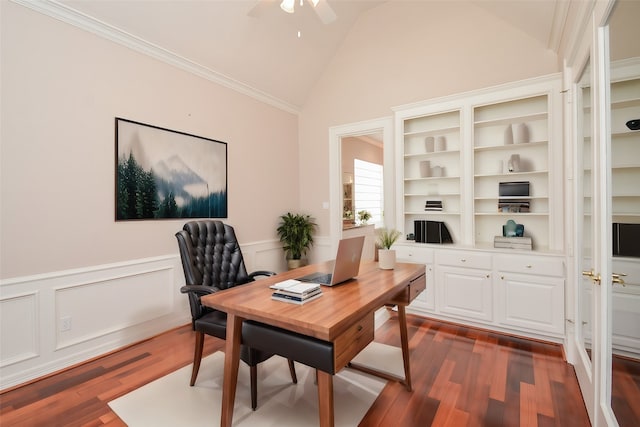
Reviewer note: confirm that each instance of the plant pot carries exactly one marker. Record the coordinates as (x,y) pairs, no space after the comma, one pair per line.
(387,259)
(296,263)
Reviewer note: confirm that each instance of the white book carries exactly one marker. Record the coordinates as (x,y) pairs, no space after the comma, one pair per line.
(295,286)
(294,300)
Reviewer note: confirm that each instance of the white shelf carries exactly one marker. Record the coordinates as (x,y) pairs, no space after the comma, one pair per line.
(496,198)
(431,213)
(431,178)
(512,174)
(512,119)
(431,154)
(541,214)
(475,127)
(512,147)
(432,195)
(436,132)
(625,103)
(627,166)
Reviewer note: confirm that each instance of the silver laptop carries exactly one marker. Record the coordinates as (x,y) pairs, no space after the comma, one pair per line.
(345,267)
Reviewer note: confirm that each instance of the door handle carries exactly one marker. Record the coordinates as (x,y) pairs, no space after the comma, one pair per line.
(593,276)
(617,278)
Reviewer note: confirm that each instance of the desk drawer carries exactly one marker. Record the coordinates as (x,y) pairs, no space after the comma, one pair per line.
(407,295)
(353,341)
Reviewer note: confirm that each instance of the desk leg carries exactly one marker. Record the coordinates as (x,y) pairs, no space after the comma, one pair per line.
(325,398)
(231,362)
(404,340)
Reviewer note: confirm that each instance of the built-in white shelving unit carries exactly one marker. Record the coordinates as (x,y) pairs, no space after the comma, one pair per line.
(457,150)
(469,140)
(515,129)
(432,168)
(625,152)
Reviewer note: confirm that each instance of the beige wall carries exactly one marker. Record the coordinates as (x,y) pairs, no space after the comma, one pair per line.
(61,89)
(403,52)
(356,148)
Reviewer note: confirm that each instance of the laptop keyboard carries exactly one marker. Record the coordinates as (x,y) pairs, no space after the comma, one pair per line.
(318,278)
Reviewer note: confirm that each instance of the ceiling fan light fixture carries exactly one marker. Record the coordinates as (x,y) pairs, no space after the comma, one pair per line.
(287,5)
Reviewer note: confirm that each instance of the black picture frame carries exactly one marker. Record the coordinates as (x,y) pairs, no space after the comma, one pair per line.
(164,174)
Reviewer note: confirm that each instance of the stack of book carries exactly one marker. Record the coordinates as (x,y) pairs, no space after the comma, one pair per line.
(433,205)
(295,291)
(513,242)
(513,205)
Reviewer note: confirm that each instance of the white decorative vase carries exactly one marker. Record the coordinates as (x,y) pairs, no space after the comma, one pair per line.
(514,163)
(520,133)
(425,168)
(387,259)
(429,144)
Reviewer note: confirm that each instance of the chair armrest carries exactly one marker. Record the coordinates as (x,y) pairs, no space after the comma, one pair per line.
(199,290)
(194,292)
(261,273)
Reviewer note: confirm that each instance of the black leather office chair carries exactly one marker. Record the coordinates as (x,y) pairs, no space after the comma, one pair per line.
(212,261)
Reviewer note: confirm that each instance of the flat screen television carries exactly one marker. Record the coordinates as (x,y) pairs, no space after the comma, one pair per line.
(513,189)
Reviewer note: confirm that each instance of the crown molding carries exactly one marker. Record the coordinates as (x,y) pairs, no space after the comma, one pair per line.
(560,14)
(85,22)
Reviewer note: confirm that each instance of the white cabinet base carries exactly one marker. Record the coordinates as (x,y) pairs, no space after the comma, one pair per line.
(515,293)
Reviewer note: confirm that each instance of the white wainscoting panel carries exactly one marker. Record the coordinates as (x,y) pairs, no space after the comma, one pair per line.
(97,308)
(267,255)
(18,328)
(55,320)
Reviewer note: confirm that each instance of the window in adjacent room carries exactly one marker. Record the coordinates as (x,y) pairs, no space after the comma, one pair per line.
(368,190)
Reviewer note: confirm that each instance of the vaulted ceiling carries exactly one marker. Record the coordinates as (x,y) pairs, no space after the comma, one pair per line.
(253,44)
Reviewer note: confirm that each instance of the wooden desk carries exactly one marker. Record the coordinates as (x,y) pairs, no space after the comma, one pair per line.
(342,316)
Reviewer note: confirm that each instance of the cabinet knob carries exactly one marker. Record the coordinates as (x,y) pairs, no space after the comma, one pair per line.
(502,277)
(528,266)
(463,260)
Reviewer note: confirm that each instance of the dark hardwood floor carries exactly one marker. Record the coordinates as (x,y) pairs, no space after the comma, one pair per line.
(461,377)
(625,391)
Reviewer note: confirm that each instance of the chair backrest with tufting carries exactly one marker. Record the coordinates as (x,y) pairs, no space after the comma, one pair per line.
(211,255)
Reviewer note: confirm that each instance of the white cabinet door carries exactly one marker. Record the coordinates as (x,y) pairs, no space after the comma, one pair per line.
(464,292)
(532,302)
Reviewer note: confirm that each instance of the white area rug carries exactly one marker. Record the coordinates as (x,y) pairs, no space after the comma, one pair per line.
(170,401)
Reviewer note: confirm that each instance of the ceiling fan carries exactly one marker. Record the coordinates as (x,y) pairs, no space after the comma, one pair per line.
(321,8)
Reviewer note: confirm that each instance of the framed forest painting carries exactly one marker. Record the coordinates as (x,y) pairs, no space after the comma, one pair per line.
(161,173)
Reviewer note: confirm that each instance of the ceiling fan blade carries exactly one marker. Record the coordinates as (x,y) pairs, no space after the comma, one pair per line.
(324,11)
(260,7)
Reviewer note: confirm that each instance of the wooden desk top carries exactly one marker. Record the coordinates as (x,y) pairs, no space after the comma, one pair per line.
(326,317)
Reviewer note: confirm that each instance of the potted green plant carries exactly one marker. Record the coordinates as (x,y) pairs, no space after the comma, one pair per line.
(296,233)
(386,255)
(364,216)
